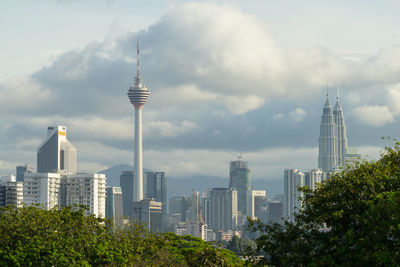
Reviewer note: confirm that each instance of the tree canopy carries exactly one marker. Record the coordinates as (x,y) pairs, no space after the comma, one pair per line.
(351,219)
(31,236)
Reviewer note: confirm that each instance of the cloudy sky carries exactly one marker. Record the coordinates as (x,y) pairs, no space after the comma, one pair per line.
(226,77)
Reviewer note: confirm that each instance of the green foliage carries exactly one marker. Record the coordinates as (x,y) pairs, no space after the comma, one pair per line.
(31,236)
(240,246)
(351,219)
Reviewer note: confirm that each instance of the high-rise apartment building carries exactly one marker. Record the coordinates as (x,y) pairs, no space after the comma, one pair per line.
(239,178)
(42,189)
(313,177)
(292,202)
(114,204)
(224,209)
(138,95)
(87,189)
(56,152)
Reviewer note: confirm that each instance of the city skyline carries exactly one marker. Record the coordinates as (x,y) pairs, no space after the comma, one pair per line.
(217,90)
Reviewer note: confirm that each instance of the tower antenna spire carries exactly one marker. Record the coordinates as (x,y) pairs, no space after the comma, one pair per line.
(337,93)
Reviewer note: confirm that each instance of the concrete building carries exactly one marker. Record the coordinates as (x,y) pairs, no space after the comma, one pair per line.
(21,170)
(313,177)
(256,203)
(56,152)
(239,178)
(138,95)
(292,203)
(114,204)
(149,213)
(224,209)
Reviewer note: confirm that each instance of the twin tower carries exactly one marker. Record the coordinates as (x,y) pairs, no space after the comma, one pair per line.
(333,137)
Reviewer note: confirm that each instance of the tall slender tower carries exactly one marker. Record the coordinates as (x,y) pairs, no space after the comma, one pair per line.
(327,158)
(341,132)
(138,95)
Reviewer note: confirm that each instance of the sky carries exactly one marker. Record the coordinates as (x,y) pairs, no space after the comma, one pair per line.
(226,78)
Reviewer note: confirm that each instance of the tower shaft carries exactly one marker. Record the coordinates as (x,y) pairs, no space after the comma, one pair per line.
(138,165)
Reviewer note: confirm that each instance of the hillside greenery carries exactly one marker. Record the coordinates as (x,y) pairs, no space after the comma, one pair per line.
(31,236)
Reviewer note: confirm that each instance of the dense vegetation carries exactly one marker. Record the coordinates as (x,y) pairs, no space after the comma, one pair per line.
(352,220)
(31,236)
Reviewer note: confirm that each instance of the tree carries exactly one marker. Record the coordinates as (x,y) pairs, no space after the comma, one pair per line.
(31,236)
(351,219)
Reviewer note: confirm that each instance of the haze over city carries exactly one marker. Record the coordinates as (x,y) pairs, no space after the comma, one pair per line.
(226,78)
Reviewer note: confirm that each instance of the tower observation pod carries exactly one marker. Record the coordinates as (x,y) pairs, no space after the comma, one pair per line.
(138,95)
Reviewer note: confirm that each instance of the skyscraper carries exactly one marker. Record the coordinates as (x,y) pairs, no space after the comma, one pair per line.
(126,184)
(327,158)
(138,95)
(341,133)
(333,137)
(56,152)
(239,178)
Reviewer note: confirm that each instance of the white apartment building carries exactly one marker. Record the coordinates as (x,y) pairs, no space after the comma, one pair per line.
(55,189)
(42,189)
(87,189)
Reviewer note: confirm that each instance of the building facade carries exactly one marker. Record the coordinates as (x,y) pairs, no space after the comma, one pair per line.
(149,213)
(126,184)
(114,204)
(292,202)
(56,152)
(224,209)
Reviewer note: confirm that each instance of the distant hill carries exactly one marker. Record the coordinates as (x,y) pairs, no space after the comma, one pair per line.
(184,186)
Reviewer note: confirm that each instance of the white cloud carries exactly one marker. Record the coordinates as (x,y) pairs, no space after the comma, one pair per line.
(373,115)
(167,129)
(241,104)
(21,94)
(393,98)
(297,115)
